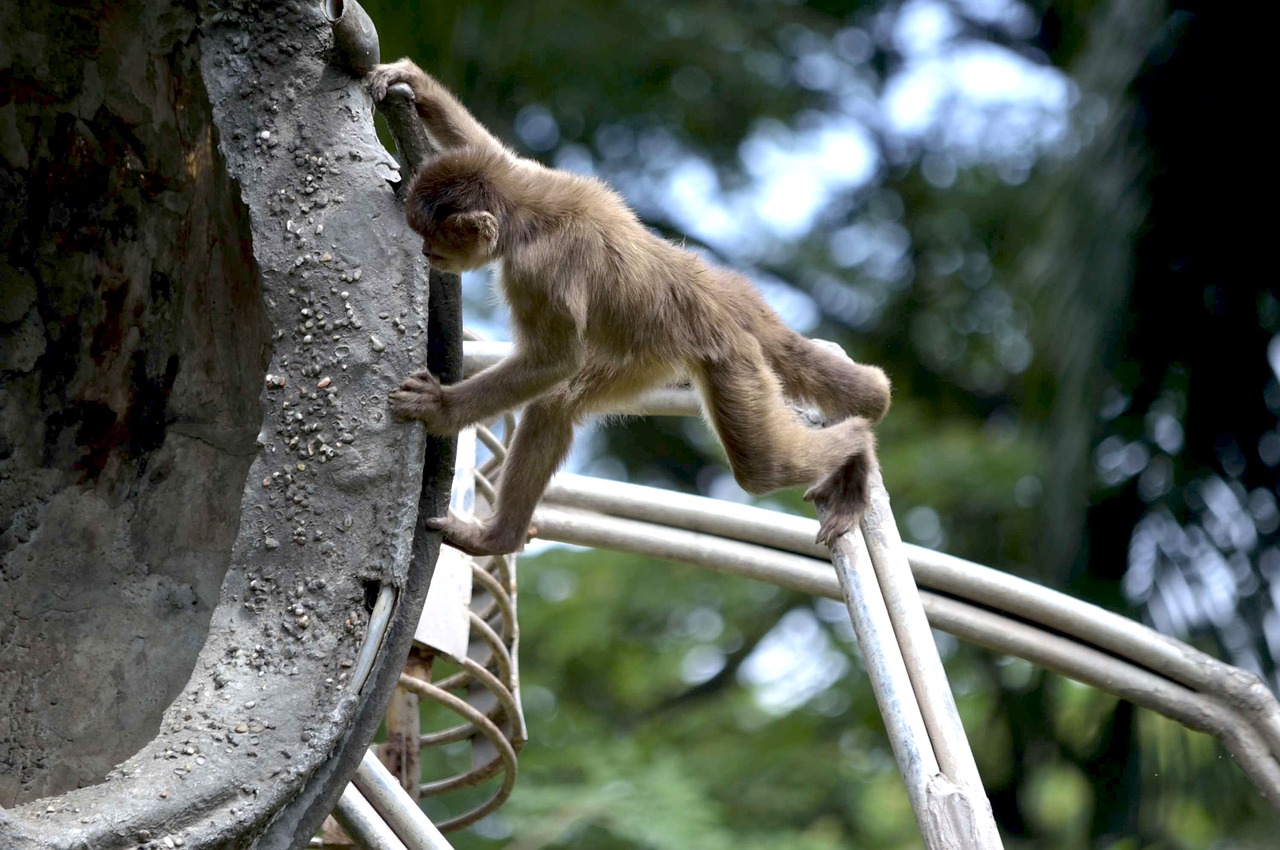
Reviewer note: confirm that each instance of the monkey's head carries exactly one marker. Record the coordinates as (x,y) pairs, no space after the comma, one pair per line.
(460,242)
(453,205)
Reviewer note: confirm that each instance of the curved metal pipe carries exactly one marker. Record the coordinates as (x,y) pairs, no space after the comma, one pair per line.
(355,39)
(1214,710)
(378,622)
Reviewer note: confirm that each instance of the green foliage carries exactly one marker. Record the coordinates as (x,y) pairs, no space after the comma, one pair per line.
(627,798)
(992,284)
(627,752)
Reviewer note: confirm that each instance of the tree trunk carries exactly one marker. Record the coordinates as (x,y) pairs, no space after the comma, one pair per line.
(208,290)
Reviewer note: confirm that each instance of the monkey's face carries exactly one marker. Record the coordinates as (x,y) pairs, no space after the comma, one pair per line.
(461,242)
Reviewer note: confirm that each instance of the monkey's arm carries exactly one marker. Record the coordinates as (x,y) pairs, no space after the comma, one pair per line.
(448,122)
(547,356)
(496,390)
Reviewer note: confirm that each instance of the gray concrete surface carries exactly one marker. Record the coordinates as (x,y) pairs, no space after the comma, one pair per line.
(209,291)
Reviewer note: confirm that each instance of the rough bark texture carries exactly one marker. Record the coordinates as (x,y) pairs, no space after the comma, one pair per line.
(136,345)
(207,290)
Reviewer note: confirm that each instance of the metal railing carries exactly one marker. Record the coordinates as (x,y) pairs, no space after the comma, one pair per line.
(876,574)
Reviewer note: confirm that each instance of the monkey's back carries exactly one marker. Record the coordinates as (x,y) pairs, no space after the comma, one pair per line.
(650,295)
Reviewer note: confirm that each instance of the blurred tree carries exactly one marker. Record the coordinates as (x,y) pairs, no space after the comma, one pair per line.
(1018,209)
(1188,451)
(1167,389)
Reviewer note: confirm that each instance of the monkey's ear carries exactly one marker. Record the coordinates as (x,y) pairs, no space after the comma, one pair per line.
(479,228)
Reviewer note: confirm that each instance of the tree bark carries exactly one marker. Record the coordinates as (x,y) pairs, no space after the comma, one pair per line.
(209,289)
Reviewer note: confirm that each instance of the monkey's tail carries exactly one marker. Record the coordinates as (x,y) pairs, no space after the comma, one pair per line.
(824,376)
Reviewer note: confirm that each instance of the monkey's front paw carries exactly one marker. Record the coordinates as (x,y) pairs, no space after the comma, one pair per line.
(384,77)
(422,398)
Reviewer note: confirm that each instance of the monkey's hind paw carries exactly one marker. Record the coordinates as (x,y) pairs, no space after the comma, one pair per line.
(844,496)
(835,525)
(471,538)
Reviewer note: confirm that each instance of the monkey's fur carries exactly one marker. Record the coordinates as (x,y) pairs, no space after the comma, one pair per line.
(601,309)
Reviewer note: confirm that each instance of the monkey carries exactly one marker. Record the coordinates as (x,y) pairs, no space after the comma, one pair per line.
(602,309)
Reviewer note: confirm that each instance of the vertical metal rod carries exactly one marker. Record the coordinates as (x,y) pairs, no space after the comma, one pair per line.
(951,814)
(886,669)
(914,636)
(955,811)
(402,752)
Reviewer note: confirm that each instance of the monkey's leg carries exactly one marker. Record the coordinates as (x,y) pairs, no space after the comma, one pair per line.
(542,440)
(840,387)
(768,449)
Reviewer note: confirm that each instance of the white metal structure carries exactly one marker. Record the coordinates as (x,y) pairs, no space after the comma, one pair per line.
(876,574)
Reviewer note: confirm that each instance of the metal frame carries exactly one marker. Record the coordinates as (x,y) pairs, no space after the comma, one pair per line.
(876,574)
(978,604)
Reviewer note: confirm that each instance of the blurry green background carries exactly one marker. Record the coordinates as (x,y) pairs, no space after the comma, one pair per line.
(1024,212)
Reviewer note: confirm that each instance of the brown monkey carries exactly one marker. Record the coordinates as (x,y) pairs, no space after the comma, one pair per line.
(601,309)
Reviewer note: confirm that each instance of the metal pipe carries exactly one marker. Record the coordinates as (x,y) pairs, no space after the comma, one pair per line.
(888,674)
(1205,712)
(401,813)
(1105,629)
(984,585)
(902,598)
(355,38)
(684,510)
(702,550)
(1214,711)
(363,824)
(952,809)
